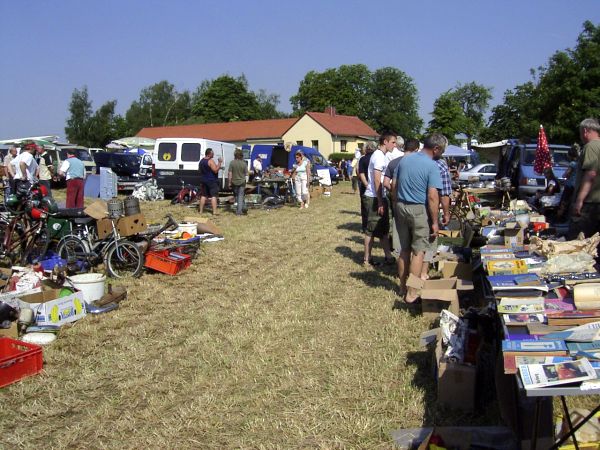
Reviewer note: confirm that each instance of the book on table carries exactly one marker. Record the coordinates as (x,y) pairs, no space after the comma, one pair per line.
(540,329)
(521,305)
(514,320)
(506,267)
(517,285)
(556,305)
(512,363)
(534,348)
(584,333)
(576,317)
(544,375)
(590,347)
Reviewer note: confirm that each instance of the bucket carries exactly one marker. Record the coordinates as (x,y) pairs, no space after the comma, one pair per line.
(190,228)
(115,208)
(132,206)
(91,284)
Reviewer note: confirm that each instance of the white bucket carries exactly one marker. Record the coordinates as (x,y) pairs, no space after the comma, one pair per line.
(191,228)
(91,284)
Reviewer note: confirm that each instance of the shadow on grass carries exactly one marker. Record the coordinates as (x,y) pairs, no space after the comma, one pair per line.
(356,239)
(351,226)
(373,278)
(352,213)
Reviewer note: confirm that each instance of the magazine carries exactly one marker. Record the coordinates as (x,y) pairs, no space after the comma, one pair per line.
(521,305)
(549,348)
(583,333)
(522,319)
(512,363)
(543,375)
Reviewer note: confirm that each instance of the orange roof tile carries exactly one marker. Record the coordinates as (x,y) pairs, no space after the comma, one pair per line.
(340,125)
(226,131)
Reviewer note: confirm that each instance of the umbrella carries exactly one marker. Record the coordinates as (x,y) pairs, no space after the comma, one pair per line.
(543,159)
(135,141)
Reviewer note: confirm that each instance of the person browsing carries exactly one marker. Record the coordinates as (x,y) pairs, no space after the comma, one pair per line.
(73,170)
(209,180)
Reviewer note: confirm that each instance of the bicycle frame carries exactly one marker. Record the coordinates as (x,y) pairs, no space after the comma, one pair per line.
(27,236)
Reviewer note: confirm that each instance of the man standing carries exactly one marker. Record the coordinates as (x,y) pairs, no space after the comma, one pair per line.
(378,218)
(238,171)
(257,166)
(24,167)
(9,174)
(363,178)
(209,180)
(45,168)
(73,170)
(586,208)
(412,145)
(396,152)
(417,181)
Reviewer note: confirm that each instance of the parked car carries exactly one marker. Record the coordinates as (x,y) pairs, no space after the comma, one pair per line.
(130,168)
(59,154)
(484,172)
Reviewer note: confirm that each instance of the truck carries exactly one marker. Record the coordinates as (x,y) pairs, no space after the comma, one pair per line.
(516,162)
(279,156)
(177,160)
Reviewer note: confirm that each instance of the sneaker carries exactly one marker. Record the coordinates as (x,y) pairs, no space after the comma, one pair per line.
(306,206)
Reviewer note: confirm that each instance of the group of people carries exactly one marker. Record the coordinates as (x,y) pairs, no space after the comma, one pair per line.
(413,186)
(35,165)
(237,176)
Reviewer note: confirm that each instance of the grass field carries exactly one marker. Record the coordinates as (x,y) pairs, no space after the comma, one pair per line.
(276,337)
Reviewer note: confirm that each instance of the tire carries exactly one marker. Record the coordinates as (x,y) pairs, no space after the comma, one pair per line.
(175,200)
(124,259)
(186,199)
(37,250)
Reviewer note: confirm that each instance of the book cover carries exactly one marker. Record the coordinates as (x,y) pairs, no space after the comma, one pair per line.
(575,347)
(521,305)
(510,282)
(534,346)
(506,267)
(574,317)
(512,320)
(542,329)
(577,335)
(543,375)
(512,363)
(556,305)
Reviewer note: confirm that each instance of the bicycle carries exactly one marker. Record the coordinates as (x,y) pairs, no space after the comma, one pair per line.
(187,194)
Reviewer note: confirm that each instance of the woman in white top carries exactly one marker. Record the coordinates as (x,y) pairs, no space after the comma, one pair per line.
(300,174)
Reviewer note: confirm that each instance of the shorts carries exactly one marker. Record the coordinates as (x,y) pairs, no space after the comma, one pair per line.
(413,227)
(587,223)
(377,226)
(210,189)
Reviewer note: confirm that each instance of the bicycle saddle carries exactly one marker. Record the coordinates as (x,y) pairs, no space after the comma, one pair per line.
(70,213)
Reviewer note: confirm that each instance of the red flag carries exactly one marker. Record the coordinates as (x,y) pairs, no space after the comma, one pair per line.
(543,160)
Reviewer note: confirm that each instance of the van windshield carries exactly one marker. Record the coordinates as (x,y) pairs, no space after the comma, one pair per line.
(82,154)
(559,156)
(318,159)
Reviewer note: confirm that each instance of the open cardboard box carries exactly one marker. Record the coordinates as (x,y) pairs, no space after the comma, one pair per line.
(514,235)
(455,269)
(204,225)
(50,309)
(455,382)
(437,295)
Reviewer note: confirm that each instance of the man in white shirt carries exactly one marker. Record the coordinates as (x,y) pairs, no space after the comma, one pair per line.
(396,152)
(257,166)
(378,221)
(24,166)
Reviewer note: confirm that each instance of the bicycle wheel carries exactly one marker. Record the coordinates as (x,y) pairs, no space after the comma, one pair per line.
(72,248)
(37,249)
(124,259)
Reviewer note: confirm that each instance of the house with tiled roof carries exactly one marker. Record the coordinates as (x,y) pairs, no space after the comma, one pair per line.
(328,132)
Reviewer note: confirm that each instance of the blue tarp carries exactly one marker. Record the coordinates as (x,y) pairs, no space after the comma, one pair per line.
(453,151)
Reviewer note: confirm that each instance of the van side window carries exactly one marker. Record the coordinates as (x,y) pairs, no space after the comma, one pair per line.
(190,152)
(167,151)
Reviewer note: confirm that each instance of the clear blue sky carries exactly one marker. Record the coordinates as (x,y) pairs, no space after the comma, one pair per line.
(116,48)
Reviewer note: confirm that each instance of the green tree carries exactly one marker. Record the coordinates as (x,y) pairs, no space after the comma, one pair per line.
(395,103)
(102,126)
(474,100)
(228,99)
(78,123)
(158,105)
(386,99)
(447,117)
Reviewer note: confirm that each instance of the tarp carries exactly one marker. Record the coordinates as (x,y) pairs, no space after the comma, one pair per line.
(491,144)
(454,151)
(135,141)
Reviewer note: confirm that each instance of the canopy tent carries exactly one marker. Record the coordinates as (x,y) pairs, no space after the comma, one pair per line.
(452,151)
(134,142)
(491,145)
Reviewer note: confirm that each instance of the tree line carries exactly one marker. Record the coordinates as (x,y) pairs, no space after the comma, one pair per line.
(559,95)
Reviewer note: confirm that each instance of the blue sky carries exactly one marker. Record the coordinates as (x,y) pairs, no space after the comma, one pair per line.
(117,48)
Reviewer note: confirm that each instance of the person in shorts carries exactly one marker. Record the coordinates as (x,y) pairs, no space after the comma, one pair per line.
(209,180)
(417,180)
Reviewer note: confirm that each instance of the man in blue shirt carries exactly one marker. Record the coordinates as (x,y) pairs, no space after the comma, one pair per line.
(416,183)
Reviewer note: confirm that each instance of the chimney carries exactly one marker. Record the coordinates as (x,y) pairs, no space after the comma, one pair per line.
(331,110)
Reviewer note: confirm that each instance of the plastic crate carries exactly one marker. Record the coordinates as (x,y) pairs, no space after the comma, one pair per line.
(167,261)
(18,360)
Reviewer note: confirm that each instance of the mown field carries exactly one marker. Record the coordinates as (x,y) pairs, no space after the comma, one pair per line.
(276,337)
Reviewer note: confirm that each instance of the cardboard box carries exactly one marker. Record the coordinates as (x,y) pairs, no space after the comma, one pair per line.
(12,332)
(49,309)
(104,227)
(130,225)
(455,382)
(98,210)
(450,233)
(437,295)
(514,236)
(455,269)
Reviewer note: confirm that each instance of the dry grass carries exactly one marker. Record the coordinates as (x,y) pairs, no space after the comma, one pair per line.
(274,338)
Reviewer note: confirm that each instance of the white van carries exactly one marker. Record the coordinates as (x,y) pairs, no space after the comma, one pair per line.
(177,159)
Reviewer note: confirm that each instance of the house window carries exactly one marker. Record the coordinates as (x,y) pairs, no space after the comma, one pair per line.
(315,144)
(343,145)
(300,143)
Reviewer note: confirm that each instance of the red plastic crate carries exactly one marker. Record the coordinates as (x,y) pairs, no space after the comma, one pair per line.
(18,360)
(168,262)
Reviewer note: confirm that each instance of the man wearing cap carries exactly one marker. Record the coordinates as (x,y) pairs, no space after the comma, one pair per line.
(24,167)
(73,170)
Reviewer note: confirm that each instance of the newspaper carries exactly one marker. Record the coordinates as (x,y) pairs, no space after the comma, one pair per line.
(543,375)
